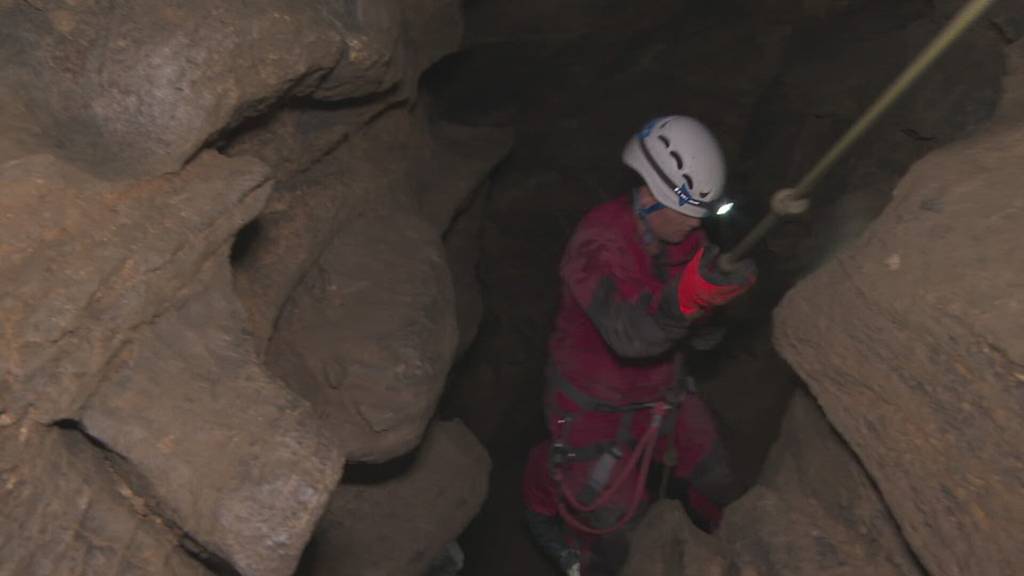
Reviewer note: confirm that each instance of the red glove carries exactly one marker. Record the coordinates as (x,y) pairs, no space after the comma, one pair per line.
(703,285)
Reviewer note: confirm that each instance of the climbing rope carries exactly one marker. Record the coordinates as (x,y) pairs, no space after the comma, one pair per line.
(637,466)
(794,200)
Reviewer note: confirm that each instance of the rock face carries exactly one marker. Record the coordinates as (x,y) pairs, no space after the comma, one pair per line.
(398,526)
(912,343)
(73,515)
(350,252)
(142,430)
(132,89)
(138,89)
(367,337)
(814,512)
(121,319)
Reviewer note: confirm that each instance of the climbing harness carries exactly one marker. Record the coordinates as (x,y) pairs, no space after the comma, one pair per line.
(794,200)
(603,482)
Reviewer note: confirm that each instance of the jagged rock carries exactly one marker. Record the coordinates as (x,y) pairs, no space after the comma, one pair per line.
(66,513)
(97,260)
(814,512)
(248,479)
(398,526)
(372,60)
(389,44)
(368,335)
(111,320)
(911,341)
(296,138)
(394,164)
(131,89)
(666,543)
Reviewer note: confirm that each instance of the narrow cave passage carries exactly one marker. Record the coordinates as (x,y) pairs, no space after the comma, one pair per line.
(774,85)
(278,281)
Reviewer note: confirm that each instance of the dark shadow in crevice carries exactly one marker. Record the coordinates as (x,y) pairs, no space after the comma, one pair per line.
(120,467)
(223,140)
(366,473)
(245,242)
(72,425)
(210,561)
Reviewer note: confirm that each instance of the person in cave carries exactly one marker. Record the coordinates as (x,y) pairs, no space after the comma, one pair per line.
(641,281)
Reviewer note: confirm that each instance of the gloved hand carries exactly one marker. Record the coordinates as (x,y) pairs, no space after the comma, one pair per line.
(703,285)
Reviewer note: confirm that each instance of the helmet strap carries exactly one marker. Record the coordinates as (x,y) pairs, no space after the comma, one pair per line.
(642,212)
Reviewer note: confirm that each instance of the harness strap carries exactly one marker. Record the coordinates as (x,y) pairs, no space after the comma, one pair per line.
(592,404)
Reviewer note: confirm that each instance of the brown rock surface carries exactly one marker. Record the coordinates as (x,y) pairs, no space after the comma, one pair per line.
(132,89)
(426,170)
(224,450)
(814,512)
(398,526)
(72,515)
(119,317)
(368,335)
(912,343)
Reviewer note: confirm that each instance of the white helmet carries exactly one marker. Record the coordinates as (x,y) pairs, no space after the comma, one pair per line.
(682,164)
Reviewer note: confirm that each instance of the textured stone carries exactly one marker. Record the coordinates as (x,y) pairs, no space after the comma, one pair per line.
(396,163)
(910,339)
(130,89)
(814,512)
(66,513)
(119,316)
(369,334)
(96,260)
(398,526)
(224,449)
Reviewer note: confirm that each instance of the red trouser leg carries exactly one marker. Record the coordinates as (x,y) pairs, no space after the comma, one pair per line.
(702,463)
(539,493)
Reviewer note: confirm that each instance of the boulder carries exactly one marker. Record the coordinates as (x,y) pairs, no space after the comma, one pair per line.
(66,513)
(97,260)
(388,46)
(119,321)
(395,163)
(368,335)
(911,341)
(389,43)
(223,449)
(136,89)
(400,525)
(814,512)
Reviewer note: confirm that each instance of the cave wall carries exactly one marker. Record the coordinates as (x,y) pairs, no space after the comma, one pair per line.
(814,511)
(223,277)
(911,340)
(780,82)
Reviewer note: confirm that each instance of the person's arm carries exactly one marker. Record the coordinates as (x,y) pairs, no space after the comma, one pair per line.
(603,278)
(635,323)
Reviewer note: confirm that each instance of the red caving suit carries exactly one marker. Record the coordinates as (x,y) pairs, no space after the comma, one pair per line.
(607,349)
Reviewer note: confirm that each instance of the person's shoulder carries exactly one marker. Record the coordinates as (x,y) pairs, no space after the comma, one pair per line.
(606,220)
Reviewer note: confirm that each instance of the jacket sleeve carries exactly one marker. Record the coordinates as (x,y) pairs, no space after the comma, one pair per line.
(604,280)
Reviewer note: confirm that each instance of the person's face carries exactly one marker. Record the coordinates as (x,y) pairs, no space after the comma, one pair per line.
(667,224)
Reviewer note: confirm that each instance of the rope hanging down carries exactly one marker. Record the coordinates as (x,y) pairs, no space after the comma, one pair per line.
(794,200)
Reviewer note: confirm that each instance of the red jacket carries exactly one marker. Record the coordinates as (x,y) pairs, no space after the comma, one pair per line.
(605,342)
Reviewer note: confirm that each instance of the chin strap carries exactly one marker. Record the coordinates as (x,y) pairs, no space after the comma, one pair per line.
(642,212)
